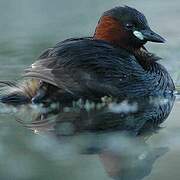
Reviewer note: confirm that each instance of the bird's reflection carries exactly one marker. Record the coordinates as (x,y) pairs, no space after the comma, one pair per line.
(111,128)
(134,165)
(136,116)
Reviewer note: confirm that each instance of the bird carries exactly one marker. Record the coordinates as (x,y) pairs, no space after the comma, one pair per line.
(113,62)
(112,65)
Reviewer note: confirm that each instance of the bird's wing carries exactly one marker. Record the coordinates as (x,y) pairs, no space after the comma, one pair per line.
(94,67)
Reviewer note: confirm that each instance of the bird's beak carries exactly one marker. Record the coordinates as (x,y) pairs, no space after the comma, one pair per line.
(149,35)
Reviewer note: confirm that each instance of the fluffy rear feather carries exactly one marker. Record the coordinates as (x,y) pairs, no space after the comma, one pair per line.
(18,93)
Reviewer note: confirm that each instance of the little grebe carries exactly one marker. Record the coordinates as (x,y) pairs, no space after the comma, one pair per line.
(112,63)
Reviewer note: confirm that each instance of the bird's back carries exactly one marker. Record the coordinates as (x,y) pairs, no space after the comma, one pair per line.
(87,68)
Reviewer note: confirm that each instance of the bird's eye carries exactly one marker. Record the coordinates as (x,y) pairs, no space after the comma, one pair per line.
(129,25)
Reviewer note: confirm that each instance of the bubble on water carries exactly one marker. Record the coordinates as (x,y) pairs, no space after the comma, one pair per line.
(89,105)
(142,156)
(7,109)
(123,107)
(66,109)
(159,101)
(42,109)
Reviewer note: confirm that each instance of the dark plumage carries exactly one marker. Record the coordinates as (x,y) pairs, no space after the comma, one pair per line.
(94,68)
(112,63)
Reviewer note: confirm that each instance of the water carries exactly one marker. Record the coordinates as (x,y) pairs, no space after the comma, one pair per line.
(39,151)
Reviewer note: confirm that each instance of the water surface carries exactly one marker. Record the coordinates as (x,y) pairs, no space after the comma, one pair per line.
(27,28)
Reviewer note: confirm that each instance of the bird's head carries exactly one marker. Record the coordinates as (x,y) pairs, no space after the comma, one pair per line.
(125,27)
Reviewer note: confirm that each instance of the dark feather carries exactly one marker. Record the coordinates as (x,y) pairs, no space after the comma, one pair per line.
(87,67)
